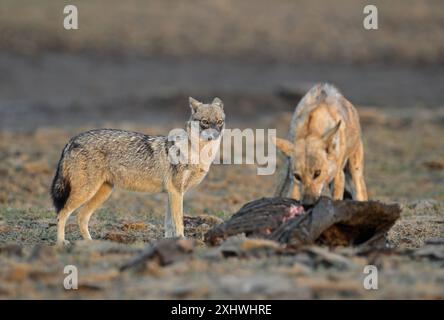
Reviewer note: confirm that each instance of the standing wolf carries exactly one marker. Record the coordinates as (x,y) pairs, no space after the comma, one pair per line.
(324,146)
(94,162)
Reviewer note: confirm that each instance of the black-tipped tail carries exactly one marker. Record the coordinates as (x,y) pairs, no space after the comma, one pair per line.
(60,189)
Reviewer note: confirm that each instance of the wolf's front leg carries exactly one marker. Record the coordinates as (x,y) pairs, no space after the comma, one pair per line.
(361,189)
(339,185)
(356,166)
(174,217)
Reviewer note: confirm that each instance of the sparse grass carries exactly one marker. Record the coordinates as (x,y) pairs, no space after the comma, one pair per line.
(27,226)
(395,171)
(396,155)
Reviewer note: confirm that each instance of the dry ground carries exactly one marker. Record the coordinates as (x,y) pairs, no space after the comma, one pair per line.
(132,66)
(405,163)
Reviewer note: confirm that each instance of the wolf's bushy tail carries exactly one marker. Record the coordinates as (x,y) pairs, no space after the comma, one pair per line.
(61,187)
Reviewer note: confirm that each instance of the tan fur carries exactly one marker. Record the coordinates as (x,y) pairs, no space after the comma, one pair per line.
(324,137)
(95,162)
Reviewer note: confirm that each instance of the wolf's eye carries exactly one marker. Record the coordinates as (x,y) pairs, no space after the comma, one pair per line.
(316,174)
(297,176)
(220,122)
(204,123)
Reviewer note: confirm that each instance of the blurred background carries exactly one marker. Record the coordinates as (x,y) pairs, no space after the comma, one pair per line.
(138,60)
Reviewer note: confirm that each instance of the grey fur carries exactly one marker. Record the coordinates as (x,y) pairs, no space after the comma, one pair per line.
(95,161)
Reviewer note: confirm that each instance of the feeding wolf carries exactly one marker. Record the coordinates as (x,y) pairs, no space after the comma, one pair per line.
(324,146)
(96,161)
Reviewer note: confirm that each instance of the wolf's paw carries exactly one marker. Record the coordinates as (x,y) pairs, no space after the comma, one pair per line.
(63,243)
(172,235)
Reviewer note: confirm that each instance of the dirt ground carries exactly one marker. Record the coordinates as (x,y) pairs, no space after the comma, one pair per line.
(258,59)
(405,163)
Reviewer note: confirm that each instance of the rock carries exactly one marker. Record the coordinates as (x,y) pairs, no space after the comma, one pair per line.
(257,219)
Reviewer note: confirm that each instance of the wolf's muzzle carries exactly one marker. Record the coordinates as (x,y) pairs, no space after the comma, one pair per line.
(210,134)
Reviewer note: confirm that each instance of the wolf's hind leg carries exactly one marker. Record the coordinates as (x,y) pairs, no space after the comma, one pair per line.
(63,216)
(74,202)
(88,209)
(76,199)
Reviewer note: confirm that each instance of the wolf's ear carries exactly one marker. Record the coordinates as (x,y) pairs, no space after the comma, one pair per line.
(218,103)
(285,146)
(331,138)
(194,104)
